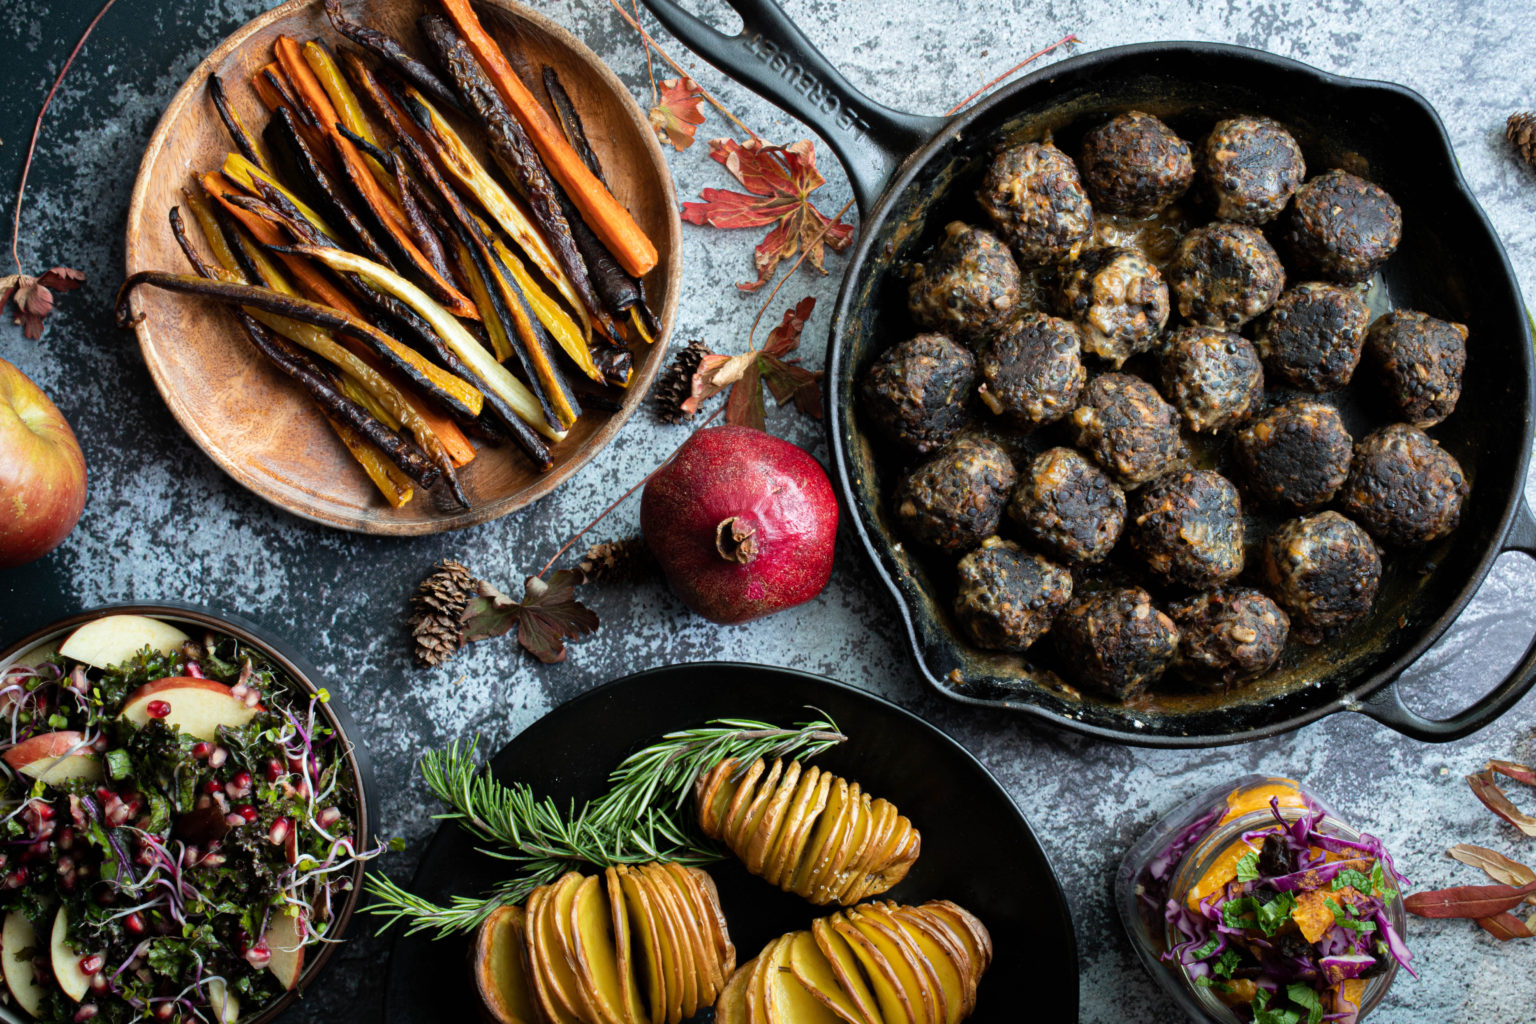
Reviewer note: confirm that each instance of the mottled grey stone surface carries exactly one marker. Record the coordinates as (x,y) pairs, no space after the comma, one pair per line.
(162,522)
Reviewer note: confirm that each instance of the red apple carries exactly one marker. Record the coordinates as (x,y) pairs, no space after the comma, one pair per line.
(42,471)
(195,706)
(286,942)
(55,757)
(66,962)
(113,639)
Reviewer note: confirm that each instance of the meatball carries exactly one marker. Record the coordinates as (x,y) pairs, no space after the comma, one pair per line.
(1228,635)
(1127,427)
(1297,454)
(1225,275)
(1030,371)
(967,286)
(954,500)
(1117,642)
(1420,360)
(1404,487)
(1008,597)
(1189,528)
(1251,167)
(1313,337)
(916,391)
(1034,196)
(1212,377)
(1343,227)
(1118,299)
(1068,506)
(1324,570)
(1135,165)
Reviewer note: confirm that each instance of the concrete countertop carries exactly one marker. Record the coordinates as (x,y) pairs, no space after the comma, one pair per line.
(163,522)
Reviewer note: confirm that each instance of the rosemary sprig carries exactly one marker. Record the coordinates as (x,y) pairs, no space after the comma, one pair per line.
(638,820)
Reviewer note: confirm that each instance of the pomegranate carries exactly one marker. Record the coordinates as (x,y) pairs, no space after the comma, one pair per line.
(742,524)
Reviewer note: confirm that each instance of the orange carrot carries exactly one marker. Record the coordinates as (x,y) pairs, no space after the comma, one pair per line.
(603,214)
(312,93)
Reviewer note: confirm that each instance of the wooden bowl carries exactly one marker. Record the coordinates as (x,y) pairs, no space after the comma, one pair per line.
(252,420)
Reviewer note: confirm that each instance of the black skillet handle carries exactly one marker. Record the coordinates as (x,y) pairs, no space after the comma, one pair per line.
(772,57)
(1386,704)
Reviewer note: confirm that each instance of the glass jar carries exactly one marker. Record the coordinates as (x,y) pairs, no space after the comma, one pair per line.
(1172,858)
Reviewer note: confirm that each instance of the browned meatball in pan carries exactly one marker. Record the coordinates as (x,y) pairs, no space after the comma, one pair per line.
(1343,227)
(1118,300)
(1212,377)
(1251,167)
(1068,506)
(1007,597)
(954,500)
(1421,360)
(1030,370)
(1127,427)
(1313,337)
(1035,198)
(1135,165)
(1228,635)
(917,391)
(1225,274)
(1404,487)
(1189,528)
(1324,570)
(967,286)
(1297,454)
(1116,641)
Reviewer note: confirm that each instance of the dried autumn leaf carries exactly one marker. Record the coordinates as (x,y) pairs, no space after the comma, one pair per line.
(1474,901)
(779,181)
(1506,926)
(745,375)
(1488,791)
(34,295)
(1499,867)
(680,111)
(547,616)
(1518,772)
(788,380)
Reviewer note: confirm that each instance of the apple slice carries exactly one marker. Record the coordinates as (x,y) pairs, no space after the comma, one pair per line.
(595,959)
(195,706)
(787,999)
(845,968)
(55,757)
(890,993)
(766,830)
(811,971)
(35,656)
(500,974)
(803,808)
(66,962)
(909,966)
(539,966)
(224,1003)
(113,639)
(18,937)
(285,938)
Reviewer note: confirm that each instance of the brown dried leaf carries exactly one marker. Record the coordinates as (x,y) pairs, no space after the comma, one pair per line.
(1518,772)
(1488,791)
(679,113)
(547,616)
(1505,926)
(1499,867)
(1474,901)
(33,296)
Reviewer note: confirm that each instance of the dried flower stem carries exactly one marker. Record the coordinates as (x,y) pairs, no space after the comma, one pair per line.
(650,68)
(1017,67)
(37,130)
(651,44)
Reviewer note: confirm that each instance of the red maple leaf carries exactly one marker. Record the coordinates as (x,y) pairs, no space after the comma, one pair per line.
(780,180)
(545,618)
(746,374)
(680,111)
(34,295)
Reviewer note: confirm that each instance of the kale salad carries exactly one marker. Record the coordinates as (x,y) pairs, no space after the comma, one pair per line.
(179,827)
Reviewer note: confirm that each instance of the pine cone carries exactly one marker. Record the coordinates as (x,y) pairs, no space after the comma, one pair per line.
(439,604)
(616,561)
(676,382)
(1521,130)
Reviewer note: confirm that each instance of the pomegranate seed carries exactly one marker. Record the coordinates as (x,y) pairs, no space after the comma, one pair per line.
(274,770)
(202,748)
(279,831)
(247,813)
(234,820)
(86,1012)
(98,982)
(16,879)
(99,744)
(158,708)
(117,813)
(212,860)
(37,850)
(217,757)
(222,802)
(66,865)
(44,811)
(251,699)
(240,785)
(90,964)
(102,793)
(211,786)
(134,922)
(65,838)
(106,897)
(328,817)
(165,1011)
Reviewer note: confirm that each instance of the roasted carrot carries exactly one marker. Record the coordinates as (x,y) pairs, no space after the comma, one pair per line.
(603,214)
(393,54)
(349,114)
(244,141)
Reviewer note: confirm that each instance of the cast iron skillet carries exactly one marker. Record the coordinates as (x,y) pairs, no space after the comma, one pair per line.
(977,848)
(902,167)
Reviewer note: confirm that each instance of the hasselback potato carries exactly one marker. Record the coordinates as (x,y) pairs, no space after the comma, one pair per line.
(879,963)
(805,830)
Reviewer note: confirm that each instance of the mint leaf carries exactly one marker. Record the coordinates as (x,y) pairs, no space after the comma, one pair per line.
(1248,868)
(1352,879)
(1227,963)
(1305,996)
(1274,914)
